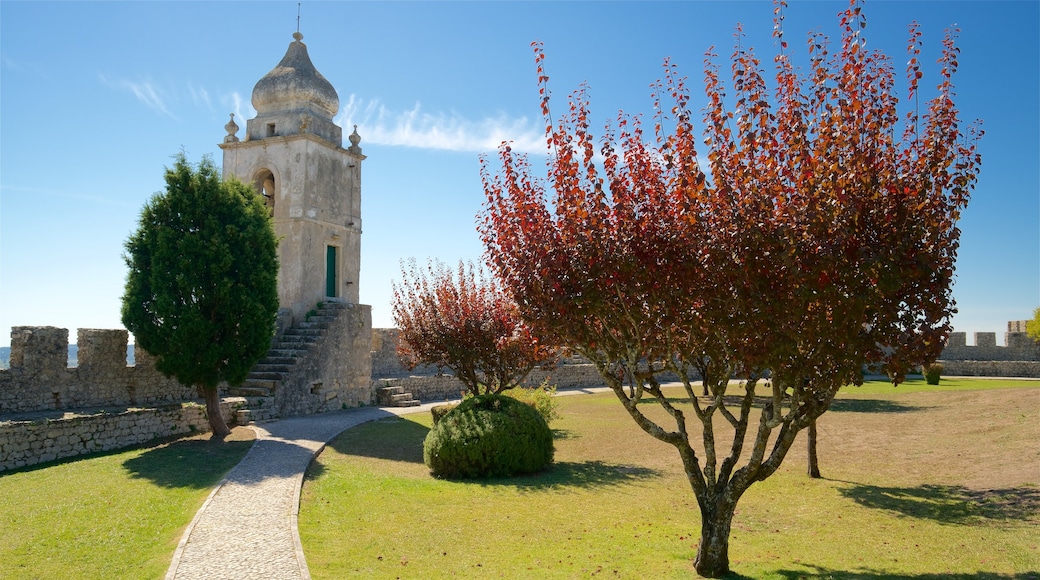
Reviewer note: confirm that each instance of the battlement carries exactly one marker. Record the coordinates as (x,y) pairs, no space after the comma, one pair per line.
(1018,346)
(40,379)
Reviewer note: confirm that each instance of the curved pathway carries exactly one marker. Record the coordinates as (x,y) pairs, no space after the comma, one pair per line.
(247,526)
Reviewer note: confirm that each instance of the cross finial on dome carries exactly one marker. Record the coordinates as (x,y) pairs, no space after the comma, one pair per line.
(297,36)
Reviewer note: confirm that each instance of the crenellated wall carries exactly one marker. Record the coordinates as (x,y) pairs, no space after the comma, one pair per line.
(1020,357)
(39,378)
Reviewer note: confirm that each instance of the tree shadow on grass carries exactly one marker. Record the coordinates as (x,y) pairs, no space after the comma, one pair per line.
(191,463)
(950,504)
(392,439)
(564,474)
(564,434)
(872,574)
(395,439)
(872,406)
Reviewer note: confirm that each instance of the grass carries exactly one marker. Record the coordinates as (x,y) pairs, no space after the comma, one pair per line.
(115,515)
(924,482)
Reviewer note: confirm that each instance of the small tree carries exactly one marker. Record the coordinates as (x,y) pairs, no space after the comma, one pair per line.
(466,323)
(1033,326)
(201,292)
(820,243)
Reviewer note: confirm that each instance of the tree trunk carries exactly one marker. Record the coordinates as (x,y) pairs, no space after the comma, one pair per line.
(216,418)
(814,465)
(713,553)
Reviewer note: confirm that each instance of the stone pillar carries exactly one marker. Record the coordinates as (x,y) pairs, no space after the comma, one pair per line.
(40,350)
(101,352)
(986,339)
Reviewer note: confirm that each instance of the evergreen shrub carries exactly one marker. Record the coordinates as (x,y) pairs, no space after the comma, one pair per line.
(488,436)
(932,373)
(439,411)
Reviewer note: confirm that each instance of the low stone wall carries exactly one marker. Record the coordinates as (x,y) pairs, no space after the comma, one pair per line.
(991,368)
(28,442)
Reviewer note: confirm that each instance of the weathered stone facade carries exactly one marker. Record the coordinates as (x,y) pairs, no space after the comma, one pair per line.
(293,155)
(335,373)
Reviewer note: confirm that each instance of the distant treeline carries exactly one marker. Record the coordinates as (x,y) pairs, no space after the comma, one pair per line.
(5,355)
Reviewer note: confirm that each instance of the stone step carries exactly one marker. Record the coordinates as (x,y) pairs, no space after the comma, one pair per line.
(250,391)
(263,367)
(259,402)
(408,403)
(318,323)
(301,331)
(260,376)
(286,361)
(391,390)
(400,398)
(294,341)
(246,416)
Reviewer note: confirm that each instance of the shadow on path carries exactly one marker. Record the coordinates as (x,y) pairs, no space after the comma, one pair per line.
(950,504)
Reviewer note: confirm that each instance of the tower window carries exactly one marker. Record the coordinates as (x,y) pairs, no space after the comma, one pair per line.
(270,129)
(265,186)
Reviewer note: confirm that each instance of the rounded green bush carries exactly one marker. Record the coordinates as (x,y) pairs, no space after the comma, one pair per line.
(488,436)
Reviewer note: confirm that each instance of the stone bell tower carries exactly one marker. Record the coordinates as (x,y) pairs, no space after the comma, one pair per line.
(293,155)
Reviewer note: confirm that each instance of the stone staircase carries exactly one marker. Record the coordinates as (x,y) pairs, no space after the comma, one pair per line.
(262,381)
(392,395)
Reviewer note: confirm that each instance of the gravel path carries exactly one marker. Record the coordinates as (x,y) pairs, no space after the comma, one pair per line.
(247,526)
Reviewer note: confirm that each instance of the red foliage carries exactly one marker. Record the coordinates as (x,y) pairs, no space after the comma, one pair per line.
(464,322)
(816,235)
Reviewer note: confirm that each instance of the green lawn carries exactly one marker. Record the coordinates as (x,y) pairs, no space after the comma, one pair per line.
(915,490)
(117,515)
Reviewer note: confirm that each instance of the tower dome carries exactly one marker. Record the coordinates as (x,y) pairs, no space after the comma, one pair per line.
(294,84)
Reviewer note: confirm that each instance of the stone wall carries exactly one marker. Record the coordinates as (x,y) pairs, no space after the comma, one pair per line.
(1020,357)
(39,378)
(28,442)
(427,384)
(991,368)
(1018,346)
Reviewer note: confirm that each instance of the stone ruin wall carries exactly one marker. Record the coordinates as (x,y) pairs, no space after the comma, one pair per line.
(39,378)
(427,384)
(117,405)
(1020,357)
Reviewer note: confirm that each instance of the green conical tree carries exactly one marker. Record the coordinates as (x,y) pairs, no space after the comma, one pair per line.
(202,288)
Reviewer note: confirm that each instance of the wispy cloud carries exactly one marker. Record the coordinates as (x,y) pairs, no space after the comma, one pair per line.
(199,96)
(18,66)
(445,131)
(146,91)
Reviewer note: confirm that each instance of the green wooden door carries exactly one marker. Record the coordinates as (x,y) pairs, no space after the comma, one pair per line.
(330,271)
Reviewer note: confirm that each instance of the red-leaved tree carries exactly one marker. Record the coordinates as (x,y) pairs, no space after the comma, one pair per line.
(817,235)
(464,322)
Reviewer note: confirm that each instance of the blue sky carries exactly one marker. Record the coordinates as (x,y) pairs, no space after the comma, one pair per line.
(95,98)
